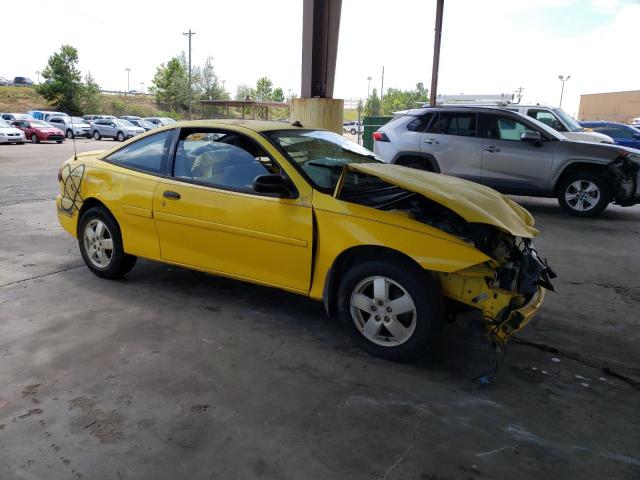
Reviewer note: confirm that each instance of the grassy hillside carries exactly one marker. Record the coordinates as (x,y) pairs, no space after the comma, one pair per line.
(21,99)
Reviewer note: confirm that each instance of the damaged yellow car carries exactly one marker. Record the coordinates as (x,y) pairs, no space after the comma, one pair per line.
(387,248)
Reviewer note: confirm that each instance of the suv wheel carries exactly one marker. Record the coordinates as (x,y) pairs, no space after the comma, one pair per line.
(416,163)
(120,137)
(353,131)
(69,134)
(392,310)
(584,194)
(96,135)
(101,244)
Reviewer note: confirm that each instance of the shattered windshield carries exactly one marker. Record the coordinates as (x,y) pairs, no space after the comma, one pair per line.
(321,155)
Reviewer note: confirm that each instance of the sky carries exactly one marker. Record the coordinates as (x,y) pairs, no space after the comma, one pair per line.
(488,46)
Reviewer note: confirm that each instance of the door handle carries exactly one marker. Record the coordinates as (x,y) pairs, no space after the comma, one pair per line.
(171,194)
(431,141)
(491,149)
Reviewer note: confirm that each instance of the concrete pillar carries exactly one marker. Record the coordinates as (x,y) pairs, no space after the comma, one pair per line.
(326,113)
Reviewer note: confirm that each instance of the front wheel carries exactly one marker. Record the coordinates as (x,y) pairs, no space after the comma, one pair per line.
(584,194)
(101,244)
(96,135)
(353,131)
(120,137)
(393,310)
(58,141)
(34,138)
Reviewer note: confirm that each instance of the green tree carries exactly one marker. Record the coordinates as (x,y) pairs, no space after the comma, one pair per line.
(372,107)
(277,95)
(395,99)
(264,89)
(245,92)
(170,83)
(63,80)
(90,96)
(211,88)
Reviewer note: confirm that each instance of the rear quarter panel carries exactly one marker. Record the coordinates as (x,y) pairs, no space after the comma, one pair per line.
(127,194)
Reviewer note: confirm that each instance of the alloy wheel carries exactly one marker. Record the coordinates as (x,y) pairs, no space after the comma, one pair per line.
(383,311)
(582,195)
(98,243)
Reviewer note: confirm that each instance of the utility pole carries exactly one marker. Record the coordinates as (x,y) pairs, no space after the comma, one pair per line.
(38,74)
(369,86)
(382,84)
(563,79)
(128,70)
(436,54)
(189,34)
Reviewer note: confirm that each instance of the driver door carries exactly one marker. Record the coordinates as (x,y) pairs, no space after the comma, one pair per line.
(509,164)
(208,216)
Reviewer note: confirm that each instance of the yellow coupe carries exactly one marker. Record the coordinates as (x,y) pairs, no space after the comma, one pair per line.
(388,248)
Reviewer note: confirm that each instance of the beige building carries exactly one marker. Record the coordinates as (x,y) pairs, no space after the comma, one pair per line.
(614,106)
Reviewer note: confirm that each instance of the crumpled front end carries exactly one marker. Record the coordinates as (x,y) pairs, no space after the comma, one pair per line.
(626,173)
(508,291)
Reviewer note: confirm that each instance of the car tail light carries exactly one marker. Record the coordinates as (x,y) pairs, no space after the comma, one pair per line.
(380,137)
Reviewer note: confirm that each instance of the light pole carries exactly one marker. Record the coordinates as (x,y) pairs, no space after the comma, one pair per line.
(128,70)
(369,85)
(189,34)
(563,79)
(142,87)
(38,74)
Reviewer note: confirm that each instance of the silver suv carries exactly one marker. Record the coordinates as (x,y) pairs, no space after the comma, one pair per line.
(514,154)
(115,128)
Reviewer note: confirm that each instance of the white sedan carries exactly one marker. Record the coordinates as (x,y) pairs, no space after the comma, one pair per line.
(9,134)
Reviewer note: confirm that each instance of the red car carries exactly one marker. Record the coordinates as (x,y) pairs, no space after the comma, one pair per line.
(38,131)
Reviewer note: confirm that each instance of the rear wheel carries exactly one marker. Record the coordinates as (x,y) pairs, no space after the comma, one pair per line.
(101,244)
(353,131)
(69,134)
(584,194)
(96,135)
(392,310)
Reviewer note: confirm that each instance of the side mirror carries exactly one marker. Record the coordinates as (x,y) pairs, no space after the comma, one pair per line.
(272,184)
(531,136)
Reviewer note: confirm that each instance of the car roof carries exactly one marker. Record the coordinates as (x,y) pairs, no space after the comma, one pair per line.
(483,108)
(255,125)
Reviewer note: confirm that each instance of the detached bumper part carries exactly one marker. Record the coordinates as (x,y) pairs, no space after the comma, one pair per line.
(516,319)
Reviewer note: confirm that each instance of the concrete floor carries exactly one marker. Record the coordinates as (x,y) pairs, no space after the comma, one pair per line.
(176,374)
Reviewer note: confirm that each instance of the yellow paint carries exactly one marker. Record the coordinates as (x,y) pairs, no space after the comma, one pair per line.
(270,241)
(472,201)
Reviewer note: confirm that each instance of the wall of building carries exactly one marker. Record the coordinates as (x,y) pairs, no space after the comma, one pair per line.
(614,106)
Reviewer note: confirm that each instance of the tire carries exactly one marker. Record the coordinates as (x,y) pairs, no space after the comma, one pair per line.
(120,137)
(415,329)
(353,131)
(69,134)
(95,248)
(59,141)
(88,136)
(34,138)
(96,135)
(584,194)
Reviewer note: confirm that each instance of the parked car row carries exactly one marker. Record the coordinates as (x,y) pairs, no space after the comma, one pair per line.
(513,153)
(42,125)
(17,82)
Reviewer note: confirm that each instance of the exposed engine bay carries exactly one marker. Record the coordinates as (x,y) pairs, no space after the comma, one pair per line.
(499,289)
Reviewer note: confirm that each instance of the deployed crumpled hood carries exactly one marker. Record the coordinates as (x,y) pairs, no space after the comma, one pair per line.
(472,201)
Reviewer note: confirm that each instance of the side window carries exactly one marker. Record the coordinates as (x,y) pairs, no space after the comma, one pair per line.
(455,123)
(545,117)
(504,128)
(145,154)
(420,124)
(221,159)
(617,132)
